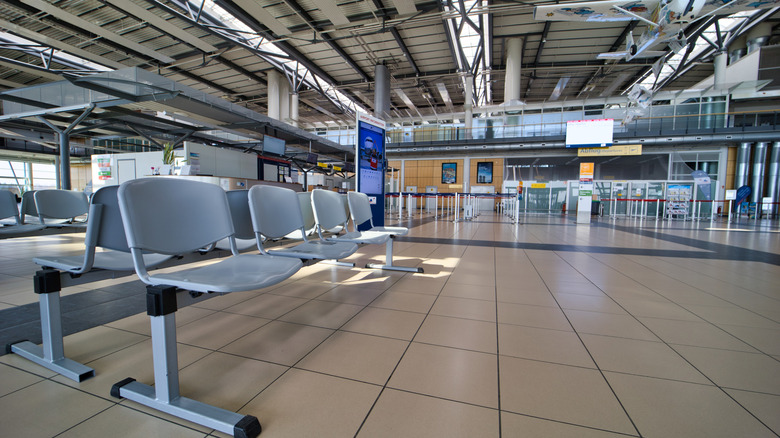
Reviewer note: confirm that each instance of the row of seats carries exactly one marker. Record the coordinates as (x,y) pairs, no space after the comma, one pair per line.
(143,223)
(170,216)
(52,208)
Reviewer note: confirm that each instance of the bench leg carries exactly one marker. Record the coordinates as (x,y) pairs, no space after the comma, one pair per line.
(51,353)
(389,266)
(164,396)
(338,263)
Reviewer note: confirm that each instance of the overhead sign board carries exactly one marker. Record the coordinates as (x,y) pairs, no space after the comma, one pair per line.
(615,150)
(595,133)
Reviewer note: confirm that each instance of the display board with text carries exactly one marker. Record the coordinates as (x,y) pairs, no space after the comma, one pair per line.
(370,163)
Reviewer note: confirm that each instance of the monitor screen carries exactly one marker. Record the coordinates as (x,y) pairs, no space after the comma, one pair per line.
(273,145)
(311,158)
(589,133)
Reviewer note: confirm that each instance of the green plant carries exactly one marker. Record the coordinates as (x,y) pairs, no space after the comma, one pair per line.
(168,156)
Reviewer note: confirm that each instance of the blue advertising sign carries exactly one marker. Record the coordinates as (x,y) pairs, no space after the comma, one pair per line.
(704,182)
(370,160)
(742,193)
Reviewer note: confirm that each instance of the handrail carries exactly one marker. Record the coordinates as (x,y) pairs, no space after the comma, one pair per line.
(417,133)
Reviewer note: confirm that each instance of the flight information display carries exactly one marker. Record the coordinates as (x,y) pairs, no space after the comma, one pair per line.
(370,155)
(589,133)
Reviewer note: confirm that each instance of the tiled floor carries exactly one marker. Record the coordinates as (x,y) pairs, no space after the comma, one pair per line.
(543,329)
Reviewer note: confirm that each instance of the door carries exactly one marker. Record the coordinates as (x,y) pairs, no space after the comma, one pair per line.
(125,170)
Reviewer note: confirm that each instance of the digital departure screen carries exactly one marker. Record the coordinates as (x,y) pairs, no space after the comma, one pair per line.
(370,157)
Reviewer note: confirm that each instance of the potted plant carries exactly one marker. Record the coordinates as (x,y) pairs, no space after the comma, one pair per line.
(168,159)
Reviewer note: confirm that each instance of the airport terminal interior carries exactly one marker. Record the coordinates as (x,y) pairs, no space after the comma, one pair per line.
(576,207)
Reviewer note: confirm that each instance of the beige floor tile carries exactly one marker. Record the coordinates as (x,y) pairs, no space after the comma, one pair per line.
(97,342)
(267,306)
(355,356)
(657,309)
(351,295)
(223,301)
(765,340)
(218,330)
(563,347)
(482,277)
(123,422)
(417,283)
(696,297)
(134,361)
(533,298)
(732,316)
(322,314)
(578,288)
(401,414)
(302,289)
(764,406)
(306,404)
(16,361)
(664,408)
(19,298)
(334,275)
(467,334)
(409,302)
(279,342)
(458,375)
(385,322)
(701,334)
(232,381)
(644,358)
(735,369)
(47,408)
(12,379)
(589,303)
(140,323)
(533,316)
(562,393)
(514,425)
(606,324)
(463,290)
(465,308)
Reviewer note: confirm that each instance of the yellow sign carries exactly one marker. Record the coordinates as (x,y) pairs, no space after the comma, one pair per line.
(623,149)
(586,170)
(538,185)
(323,165)
(337,168)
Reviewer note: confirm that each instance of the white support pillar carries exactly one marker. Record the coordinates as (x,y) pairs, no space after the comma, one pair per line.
(284,100)
(381,91)
(719,63)
(274,83)
(468,98)
(466,175)
(514,59)
(294,109)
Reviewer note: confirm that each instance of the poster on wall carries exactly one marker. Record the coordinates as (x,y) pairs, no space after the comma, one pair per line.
(449,173)
(484,173)
(104,168)
(370,162)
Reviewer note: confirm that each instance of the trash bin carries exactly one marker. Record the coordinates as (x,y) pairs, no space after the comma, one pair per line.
(595,208)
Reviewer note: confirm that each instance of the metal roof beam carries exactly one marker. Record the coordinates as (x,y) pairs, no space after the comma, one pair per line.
(59,45)
(161,24)
(96,30)
(327,39)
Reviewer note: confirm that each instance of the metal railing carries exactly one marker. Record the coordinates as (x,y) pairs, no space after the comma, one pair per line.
(661,119)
